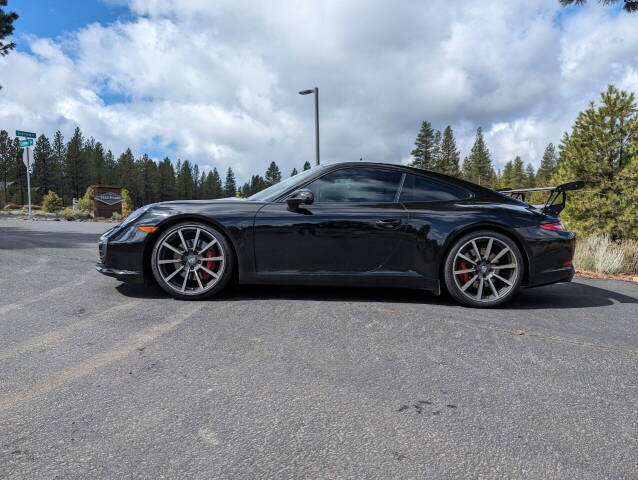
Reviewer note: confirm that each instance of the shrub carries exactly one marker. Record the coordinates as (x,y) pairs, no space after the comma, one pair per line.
(127,203)
(116,216)
(70,215)
(51,202)
(599,254)
(85,204)
(12,206)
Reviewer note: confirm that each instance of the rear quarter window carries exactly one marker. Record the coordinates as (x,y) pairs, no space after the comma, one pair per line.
(422,189)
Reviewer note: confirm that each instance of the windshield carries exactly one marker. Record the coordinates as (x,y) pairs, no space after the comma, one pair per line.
(277,189)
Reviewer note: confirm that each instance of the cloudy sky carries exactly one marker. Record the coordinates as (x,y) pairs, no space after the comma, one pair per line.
(216,81)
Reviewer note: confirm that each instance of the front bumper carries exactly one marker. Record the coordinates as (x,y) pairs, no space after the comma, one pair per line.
(122,275)
(121,251)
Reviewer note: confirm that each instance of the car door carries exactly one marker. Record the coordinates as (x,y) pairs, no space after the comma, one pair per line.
(353,226)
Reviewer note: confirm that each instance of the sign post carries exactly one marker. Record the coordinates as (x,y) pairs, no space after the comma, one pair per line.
(26,144)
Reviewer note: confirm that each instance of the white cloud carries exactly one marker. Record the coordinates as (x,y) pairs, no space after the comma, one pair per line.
(216,80)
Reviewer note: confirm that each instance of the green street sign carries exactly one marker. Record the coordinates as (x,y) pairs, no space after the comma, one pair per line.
(26,143)
(20,133)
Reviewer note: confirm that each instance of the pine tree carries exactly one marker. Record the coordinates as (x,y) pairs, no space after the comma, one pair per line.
(547,167)
(306,165)
(6,161)
(425,152)
(110,169)
(217,187)
(294,172)
(6,29)
(43,164)
(602,150)
(150,180)
(59,156)
(517,177)
(477,167)
(166,180)
(448,157)
(506,176)
(18,171)
(98,165)
(273,174)
(75,165)
(129,176)
(185,182)
(529,176)
(230,187)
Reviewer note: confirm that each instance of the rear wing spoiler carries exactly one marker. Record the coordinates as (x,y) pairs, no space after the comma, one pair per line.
(551,206)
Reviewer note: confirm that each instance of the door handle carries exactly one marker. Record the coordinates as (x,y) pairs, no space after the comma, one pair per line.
(389,223)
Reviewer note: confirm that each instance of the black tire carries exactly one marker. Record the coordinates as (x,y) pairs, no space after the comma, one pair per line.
(228,262)
(485,277)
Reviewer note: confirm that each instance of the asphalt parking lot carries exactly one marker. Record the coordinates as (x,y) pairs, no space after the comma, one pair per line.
(100,379)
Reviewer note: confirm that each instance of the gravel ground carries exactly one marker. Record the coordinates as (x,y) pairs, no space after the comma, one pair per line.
(104,380)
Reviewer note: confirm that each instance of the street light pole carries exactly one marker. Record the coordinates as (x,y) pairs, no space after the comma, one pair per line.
(316,92)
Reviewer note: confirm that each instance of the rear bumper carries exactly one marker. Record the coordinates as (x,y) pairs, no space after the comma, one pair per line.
(564,274)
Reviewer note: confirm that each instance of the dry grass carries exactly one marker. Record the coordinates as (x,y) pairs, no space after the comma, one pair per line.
(601,255)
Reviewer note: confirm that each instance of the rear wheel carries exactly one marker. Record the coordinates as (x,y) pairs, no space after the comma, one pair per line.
(483,269)
(192,261)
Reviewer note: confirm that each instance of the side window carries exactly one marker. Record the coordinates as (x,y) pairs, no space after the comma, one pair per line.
(421,189)
(357,185)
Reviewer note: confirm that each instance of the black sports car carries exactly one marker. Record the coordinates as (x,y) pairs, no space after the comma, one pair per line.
(349,224)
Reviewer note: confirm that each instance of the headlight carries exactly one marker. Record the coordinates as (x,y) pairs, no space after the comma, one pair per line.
(136,214)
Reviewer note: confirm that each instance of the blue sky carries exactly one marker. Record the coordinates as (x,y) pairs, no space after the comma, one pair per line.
(51,18)
(216,81)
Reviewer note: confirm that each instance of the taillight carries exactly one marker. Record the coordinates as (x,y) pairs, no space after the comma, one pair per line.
(555,226)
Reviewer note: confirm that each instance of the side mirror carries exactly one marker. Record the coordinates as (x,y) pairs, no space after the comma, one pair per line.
(303,196)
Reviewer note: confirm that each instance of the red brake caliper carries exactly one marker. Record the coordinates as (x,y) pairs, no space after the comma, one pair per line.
(209,265)
(465,277)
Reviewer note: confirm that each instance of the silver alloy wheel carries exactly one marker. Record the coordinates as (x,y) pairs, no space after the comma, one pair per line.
(191,260)
(485,269)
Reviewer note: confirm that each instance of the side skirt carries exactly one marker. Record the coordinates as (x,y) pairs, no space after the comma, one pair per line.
(330,279)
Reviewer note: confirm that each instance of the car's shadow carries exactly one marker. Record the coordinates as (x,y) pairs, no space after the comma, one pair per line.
(561,295)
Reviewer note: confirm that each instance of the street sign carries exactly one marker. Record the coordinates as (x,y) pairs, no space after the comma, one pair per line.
(26,143)
(20,133)
(26,160)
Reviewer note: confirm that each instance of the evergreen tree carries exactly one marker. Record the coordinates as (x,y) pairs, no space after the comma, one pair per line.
(130,178)
(98,164)
(110,169)
(273,174)
(306,165)
(517,177)
(602,150)
(6,29)
(75,165)
(230,187)
(19,172)
(425,152)
(43,164)
(547,166)
(530,176)
(217,187)
(59,156)
(506,176)
(477,167)
(185,182)
(294,172)
(196,182)
(6,161)
(150,179)
(448,157)
(166,180)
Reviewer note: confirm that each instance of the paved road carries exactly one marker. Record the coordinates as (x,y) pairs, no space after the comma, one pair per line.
(103,380)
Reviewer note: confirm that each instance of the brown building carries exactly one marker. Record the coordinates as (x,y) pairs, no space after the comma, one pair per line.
(106,200)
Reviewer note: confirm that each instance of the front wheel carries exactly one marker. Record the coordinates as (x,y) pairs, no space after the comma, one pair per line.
(483,269)
(192,261)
